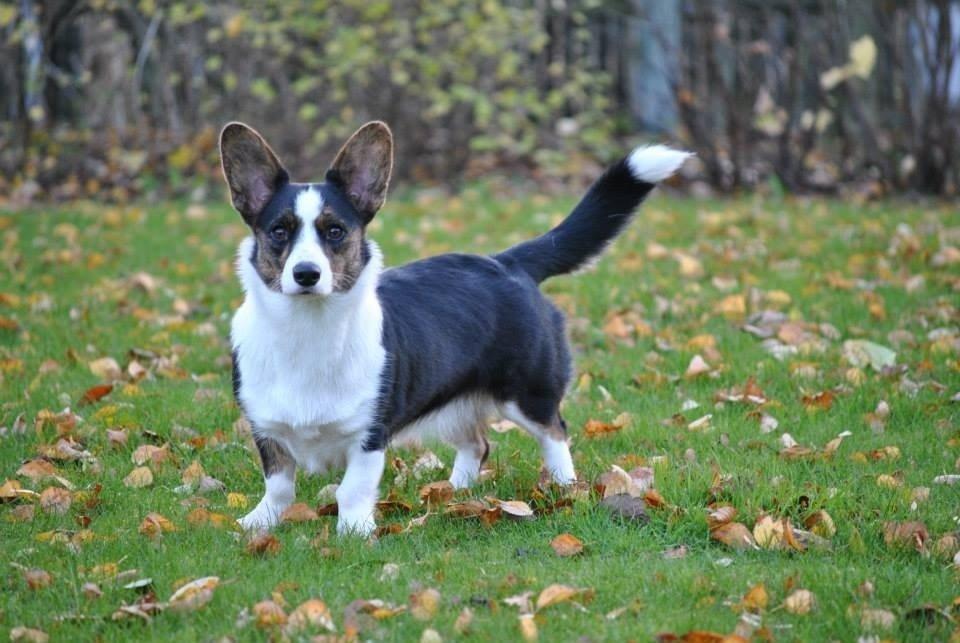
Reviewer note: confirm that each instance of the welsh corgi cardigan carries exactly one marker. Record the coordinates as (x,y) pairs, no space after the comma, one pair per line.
(335,357)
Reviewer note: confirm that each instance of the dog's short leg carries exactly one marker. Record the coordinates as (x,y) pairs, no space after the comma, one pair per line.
(471,454)
(552,437)
(357,493)
(279,474)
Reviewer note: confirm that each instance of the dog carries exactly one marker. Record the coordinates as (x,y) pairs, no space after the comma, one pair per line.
(335,357)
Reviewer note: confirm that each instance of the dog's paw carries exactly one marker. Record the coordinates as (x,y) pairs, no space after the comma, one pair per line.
(264,516)
(362,526)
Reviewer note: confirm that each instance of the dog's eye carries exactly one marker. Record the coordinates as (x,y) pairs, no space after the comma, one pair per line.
(335,233)
(279,234)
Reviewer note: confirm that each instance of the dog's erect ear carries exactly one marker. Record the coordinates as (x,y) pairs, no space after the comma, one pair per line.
(363,166)
(252,170)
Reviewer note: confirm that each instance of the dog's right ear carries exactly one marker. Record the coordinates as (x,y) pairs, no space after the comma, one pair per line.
(252,170)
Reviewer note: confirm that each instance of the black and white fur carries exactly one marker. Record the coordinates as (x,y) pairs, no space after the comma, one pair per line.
(335,357)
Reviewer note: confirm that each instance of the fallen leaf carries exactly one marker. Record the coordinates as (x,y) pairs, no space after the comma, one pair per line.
(150,453)
(138,478)
(913,534)
(106,368)
(528,628)
(436,493)
(155,524)
(800,601)
(298,512)
(268,614)
(95,394)
(720,516)
(462,625)
(311,613)
(877,619)
(516,509)
(557,593)
(734,535)
(54,500)
(28,634)
(193,595)
(37,578)
(37,469)
(193,473)
(627,507)
(698,366)
(263,543)
(756,599)
(822,400)
(860,353)
(237,500)
(424,604)
(820,523)
(566,545)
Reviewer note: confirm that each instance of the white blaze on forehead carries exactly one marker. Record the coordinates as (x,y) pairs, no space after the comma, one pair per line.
(307,246)
(308,206)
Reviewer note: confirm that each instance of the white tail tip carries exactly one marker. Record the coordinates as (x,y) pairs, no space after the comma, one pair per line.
(654,163)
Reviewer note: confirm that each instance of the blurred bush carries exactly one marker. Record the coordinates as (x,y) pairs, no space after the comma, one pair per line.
(130,95)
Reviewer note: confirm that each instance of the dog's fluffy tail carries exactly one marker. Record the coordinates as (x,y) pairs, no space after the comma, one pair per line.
(599,217)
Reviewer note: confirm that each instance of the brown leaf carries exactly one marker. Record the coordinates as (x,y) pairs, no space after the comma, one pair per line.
(298,512)
(155,525)
(9,490)
(735,535)
(193,473)
(820,523)
(138,478)
(467,509)
(149,453)
(54,500)
(756,599)
(822,400)
(462,625)
(311,613)
(424,604)
(566,545)
(37,578)
(720,516)
(913,534)
(263,543)
(436,493)
(117,438)
(37,469)
(95,394)
(268,614)
(594,428)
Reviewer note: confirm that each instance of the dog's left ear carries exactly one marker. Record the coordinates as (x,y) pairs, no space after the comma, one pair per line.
(363,166)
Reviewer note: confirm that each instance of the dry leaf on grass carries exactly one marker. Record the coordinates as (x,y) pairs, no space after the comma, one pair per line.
(138,478)
(106,368)
(424,604)
(557,593)
(54,500)
(298,512)
(268,614)
(155,525)
(800,601)
(436,493)
(152,454)
(566,545)
(310,613)
(528,628)
(28,634)
(263,543)
(37,578)
(515,509)
(734,535)
(193,595)
(910,534)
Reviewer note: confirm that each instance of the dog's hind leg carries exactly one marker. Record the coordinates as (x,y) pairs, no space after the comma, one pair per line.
(552,436)
(279,475)
(472,451)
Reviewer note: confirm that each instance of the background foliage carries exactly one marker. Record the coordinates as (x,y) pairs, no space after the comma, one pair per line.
(113,97)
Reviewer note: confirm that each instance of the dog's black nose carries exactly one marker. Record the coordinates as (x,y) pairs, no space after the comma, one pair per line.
(306,274)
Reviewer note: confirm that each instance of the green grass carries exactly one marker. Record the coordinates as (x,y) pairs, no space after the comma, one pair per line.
(65,273)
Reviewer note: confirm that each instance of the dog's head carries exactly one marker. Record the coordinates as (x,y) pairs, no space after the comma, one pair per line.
(309,237)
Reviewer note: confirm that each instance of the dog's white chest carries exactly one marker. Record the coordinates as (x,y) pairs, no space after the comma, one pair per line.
(310,370)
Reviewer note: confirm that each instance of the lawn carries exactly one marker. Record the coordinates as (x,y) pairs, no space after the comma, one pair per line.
(750,425)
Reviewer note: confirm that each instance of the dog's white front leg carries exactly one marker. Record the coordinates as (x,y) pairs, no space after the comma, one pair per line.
(279,475)
(357,494)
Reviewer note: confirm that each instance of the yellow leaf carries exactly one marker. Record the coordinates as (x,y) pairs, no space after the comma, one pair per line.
(237,500)
(424,604)
(863,56)
(801,601)
(312,612)
(194,594)
(528,628)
